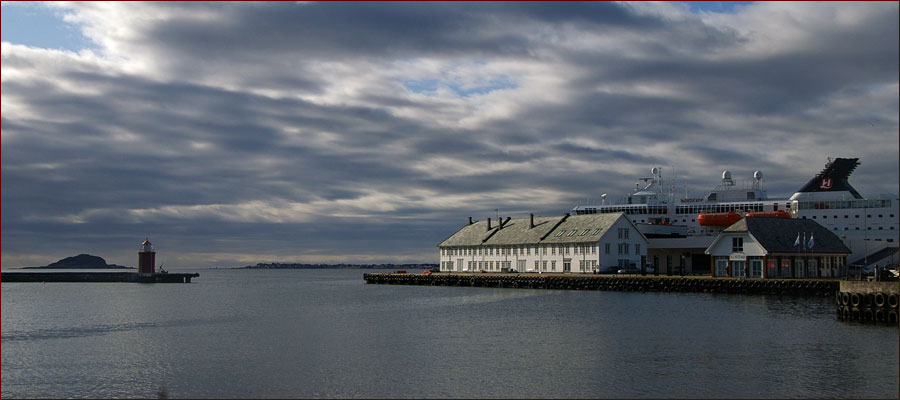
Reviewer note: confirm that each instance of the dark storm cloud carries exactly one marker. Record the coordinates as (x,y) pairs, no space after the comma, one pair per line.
(238,132)
(380,29)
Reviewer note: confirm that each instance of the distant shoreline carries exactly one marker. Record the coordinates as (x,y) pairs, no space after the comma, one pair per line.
(336,266)
(78,267)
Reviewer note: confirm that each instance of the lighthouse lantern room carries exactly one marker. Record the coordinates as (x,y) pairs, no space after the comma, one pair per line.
(146,258)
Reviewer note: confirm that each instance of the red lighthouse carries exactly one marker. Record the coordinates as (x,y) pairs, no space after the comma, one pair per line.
(146,258)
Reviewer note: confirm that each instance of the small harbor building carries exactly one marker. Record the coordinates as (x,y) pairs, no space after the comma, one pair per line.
(585,243)
(759,247)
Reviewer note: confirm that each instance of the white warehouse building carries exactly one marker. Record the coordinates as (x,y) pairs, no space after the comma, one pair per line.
(578,244)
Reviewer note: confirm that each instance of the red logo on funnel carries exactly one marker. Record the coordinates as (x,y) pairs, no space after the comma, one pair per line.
(826,184)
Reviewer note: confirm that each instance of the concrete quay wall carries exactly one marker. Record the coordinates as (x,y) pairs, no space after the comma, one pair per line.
(795,287)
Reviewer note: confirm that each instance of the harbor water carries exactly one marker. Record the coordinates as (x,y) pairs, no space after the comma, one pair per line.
(325,333)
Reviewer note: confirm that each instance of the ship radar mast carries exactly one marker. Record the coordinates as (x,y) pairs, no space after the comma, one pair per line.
(726,179)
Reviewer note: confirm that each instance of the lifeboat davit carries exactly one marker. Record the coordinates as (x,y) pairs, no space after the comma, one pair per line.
(718,219)
(769,214)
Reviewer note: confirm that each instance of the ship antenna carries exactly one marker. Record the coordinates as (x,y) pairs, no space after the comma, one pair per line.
(672,189)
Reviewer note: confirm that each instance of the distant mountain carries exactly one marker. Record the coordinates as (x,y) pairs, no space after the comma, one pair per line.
(82,261)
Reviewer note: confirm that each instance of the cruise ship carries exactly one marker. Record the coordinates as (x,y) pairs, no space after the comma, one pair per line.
(869,227)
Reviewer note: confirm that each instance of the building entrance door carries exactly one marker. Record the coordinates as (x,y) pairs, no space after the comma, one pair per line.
(567,265)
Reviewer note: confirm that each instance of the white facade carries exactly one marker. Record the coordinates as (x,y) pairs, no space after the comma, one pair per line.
(577,244)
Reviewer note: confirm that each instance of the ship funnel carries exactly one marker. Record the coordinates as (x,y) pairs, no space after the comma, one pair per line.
(833,178)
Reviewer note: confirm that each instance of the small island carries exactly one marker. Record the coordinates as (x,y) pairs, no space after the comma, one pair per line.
(81,261)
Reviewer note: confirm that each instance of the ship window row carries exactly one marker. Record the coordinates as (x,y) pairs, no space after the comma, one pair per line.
(855,216)
(719,208)
(846,204)
(880,228)
(628,210)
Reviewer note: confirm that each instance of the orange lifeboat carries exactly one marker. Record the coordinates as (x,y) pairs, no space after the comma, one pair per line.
(718,219)
(769,214)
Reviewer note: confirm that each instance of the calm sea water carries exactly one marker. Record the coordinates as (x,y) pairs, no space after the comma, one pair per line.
(325,333)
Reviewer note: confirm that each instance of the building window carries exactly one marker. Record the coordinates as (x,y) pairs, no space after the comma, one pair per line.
(737,245)
(737,269)
(721,266)
(606,248)
(637,248)
(620,248)
(756,268)
(626,247)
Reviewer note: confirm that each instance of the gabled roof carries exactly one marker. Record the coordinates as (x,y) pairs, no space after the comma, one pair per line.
(581,223)
(778,235)
(517,231)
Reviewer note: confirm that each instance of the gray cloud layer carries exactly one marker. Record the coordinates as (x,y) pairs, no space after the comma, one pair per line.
(237,133)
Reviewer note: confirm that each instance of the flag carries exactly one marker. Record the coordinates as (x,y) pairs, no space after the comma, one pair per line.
(810,243)
(797,242)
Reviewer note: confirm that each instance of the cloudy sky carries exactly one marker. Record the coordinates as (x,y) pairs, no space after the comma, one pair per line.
(235,133)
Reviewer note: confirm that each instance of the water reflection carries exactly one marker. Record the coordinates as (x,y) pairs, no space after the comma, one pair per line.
(277,334)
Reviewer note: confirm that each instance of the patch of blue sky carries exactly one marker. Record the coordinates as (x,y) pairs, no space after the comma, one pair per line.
(37,25)
(493,85)
(722,7)
(429,86)
(425,86)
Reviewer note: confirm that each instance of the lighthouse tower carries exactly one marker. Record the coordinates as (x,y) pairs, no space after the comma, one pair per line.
(146,258)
